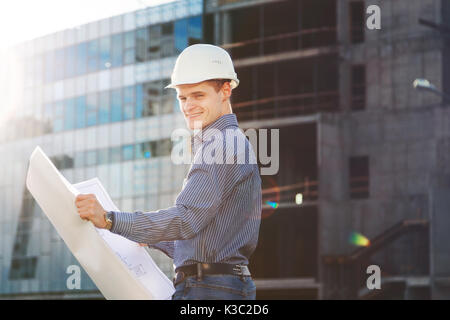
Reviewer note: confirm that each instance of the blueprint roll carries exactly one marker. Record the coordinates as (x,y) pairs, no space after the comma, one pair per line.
(120,268)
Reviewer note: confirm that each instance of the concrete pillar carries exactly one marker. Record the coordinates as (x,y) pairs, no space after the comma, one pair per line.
(343,39)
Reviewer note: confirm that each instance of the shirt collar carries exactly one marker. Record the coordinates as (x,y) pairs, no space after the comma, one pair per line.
(207,132)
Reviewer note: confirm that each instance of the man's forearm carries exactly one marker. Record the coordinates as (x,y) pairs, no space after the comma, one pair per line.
(152,227)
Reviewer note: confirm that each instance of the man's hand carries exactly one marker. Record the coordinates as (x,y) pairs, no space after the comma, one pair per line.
(90,209)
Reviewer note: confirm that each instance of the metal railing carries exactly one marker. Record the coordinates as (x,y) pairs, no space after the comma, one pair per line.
(344,275)
(290,41)
(309,190)
(287,105)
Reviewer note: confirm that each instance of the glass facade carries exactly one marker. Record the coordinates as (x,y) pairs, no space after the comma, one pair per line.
(97,106)
(116,50)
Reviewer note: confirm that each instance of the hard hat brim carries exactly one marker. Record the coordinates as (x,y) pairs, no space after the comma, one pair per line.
(234,83)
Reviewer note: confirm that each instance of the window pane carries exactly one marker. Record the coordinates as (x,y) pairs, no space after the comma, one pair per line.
(358,82)
(39,68)
(103,107)
(128,110)
(153,89)
(81,112)
(127,152)
(129,40)
(127,185)
(152,107)
(59,64)
(91,118)
(116,52)
(142,44)
(91,158)
(67,162)
(59,109)
(116,105)
(128,94)
(129,56)
(105,53)
(143,150)
(167,29)
(359,177)
(163,147)
(139,101)
(128,100)
(49,66)
(91,101)
(357,24)
(152,100)
(181,35)
(93,55)
(69,115)
(48,112)
(115,182)
(154,49)
(103,156)
(58,123)
(79,159)
(81,58)
(167,47)
(116,154)
(70,61)
(167,105)
(195,30)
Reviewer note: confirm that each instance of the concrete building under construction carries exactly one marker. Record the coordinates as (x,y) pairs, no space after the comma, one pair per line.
(364,158)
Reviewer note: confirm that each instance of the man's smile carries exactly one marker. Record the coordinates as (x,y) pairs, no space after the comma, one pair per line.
(194,115)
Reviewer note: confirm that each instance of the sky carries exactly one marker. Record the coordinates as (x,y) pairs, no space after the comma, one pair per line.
(22,20)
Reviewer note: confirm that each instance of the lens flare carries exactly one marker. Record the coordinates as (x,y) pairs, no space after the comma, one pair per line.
(359,240)
(271,197)
(272,204)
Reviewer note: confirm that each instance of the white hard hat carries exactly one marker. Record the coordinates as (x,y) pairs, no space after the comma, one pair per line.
(201,62)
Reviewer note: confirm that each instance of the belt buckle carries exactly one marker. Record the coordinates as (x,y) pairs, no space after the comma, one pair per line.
(238,269)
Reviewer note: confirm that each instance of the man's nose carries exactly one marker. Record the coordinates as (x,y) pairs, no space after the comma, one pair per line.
(189,105)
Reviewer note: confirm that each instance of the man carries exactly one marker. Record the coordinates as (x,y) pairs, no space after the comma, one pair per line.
(212,229)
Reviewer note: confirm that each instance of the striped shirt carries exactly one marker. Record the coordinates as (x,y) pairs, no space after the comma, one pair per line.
(216,216)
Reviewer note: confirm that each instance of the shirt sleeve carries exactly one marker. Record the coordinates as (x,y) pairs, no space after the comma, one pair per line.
(195,207)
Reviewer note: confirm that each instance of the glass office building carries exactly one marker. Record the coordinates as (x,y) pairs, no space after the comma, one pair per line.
(93,98)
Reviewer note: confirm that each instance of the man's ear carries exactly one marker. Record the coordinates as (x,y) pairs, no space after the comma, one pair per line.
(226,91)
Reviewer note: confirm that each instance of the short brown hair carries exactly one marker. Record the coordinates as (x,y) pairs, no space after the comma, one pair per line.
(218,83)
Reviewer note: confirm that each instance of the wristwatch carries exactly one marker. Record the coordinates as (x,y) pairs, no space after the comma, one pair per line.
(109,216)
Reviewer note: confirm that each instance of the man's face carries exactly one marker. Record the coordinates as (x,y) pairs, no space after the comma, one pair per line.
(200,104)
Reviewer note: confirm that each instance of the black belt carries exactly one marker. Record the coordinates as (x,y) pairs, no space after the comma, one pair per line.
(200,269)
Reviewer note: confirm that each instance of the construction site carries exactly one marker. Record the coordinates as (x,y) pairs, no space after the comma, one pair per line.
(364,156)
